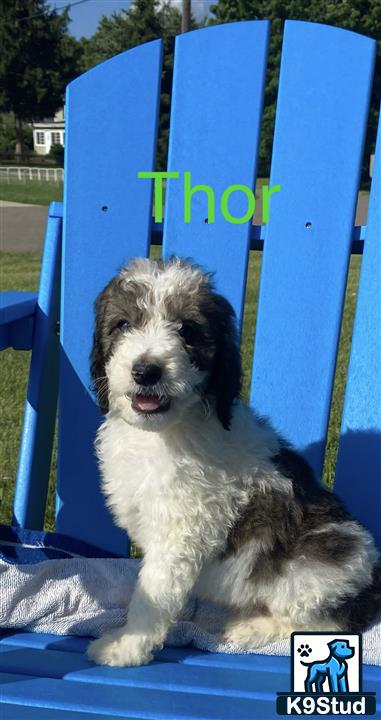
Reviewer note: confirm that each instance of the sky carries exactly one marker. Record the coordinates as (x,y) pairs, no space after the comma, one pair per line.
(86,15)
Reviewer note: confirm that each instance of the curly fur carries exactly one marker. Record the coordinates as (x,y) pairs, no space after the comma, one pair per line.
(219,504)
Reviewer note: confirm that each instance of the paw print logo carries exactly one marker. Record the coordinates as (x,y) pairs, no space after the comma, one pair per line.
(304,650)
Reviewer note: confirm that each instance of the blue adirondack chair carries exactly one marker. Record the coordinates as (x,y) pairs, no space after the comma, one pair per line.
(106,218)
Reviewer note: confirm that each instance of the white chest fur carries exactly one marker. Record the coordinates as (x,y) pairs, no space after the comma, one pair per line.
(185,482)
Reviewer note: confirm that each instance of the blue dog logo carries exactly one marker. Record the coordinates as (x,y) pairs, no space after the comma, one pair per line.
(334,668)
(330,687)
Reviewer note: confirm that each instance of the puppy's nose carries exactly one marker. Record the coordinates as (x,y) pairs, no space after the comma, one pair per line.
(146,373)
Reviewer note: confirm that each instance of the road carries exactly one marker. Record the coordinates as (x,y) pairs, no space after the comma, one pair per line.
(22,227)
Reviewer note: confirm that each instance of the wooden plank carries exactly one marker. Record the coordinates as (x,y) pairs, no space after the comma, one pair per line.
(106,222)
(217,101)
(26,712)
(16,305)
(174,676)
(116,700)
(245,661)
(186,655)
(17,320)
(249,662)
(358,474)
(17,334)
(69,682)
(257,234)
(41,402)
(323,99)
(47,641)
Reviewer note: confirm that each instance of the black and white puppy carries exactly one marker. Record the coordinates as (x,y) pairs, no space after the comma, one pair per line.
(219,504)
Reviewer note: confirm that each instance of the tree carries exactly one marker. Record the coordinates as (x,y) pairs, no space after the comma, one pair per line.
(38,59)
(8,135)
(57,154)
(145,20)
(362,16)
(186,15)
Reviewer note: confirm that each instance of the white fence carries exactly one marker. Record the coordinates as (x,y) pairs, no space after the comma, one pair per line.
(23,174)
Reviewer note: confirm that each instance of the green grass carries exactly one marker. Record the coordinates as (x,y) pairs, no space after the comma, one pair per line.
(33,192)
(21,271)
(18,271)
(341,370)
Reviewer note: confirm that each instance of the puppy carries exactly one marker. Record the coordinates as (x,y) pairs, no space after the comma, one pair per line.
(221,506)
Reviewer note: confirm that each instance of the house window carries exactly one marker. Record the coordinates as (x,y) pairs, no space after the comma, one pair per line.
(56,138)
(40,138)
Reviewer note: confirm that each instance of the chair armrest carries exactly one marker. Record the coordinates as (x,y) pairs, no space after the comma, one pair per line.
(17,311)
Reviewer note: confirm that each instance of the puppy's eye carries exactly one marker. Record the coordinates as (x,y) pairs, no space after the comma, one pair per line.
(190,331)
(122,325)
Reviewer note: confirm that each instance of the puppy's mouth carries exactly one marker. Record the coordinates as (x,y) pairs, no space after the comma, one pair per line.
(150,404)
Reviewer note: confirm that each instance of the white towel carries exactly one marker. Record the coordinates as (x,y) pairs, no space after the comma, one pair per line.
(88,596)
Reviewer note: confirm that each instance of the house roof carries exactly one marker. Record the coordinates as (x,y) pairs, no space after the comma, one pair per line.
(49,124)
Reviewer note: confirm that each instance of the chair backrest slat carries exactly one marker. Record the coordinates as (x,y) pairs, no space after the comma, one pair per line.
(324,88)
(358,474)
(111,125)
(216,113)
(41,402)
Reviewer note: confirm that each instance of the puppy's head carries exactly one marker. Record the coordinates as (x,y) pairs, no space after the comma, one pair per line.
(163,341)
(341,648)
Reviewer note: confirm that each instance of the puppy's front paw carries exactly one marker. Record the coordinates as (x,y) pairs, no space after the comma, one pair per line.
(120,650)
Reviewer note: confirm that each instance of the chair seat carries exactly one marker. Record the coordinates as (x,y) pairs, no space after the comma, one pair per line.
(48,676)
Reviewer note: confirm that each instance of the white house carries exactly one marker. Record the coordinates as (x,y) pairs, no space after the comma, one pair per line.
(49,132)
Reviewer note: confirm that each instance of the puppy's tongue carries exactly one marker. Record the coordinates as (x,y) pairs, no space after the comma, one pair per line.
(146,404)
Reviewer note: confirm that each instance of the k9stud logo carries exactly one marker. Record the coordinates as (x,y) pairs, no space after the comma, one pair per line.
(326,676)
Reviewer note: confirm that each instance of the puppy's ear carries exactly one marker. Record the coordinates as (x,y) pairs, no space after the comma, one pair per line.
(100,348)
(226,375)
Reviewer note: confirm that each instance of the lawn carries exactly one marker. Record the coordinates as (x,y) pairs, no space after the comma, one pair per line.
(21,271)
(33,192)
